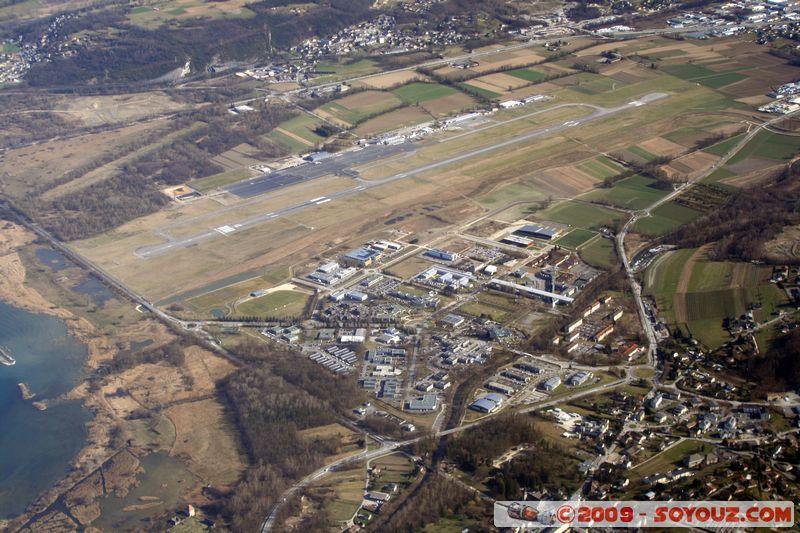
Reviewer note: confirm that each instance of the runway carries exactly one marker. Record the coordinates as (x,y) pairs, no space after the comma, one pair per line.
(344,163)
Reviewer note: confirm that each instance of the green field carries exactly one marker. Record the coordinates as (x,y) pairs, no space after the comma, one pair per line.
(768,145)
(575,238)
(479,90)
(579,214)
(358,113)
(220,180)
(278,303)
(635,192)
(666,218)
(721,80)
(417,92)
(641,152)
(596,84)
(527,74)
(599,253)
(329,71)
(600,167)
(723,147)
(303,126)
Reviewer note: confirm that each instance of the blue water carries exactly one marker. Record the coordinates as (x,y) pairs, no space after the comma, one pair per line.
(36,447)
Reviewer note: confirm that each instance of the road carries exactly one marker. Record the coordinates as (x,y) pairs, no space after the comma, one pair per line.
(334,165)
(389,447)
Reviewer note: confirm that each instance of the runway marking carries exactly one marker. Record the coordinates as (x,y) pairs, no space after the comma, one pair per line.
(323,201)
(316,199)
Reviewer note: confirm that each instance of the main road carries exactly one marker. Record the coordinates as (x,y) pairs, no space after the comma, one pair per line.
(333,166)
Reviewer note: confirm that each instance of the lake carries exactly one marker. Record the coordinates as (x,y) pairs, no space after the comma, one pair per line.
(36,447)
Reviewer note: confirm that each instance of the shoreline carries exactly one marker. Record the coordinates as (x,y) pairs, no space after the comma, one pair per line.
(95,452)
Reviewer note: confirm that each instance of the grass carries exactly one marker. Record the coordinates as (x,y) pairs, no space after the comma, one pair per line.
(478,309)
(768,145)
(671,458)
(480,91)
(580,215)
(417,92)
(600,167)
(575,238)
(220,180)
(666,218)
(599,253)
(278,303)
(527,74)
(509,194)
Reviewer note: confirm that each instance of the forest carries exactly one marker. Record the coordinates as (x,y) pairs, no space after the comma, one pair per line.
(135,190)
(740,228)
(279,394)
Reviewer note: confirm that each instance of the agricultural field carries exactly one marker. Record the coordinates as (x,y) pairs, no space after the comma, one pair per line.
(601,167)
(575,238)
(768,145)
(665,218)
(641,153)
(636,192)
(482,91)
(580,215)
(297,133)
(527,74)
(697,294)
(356,107)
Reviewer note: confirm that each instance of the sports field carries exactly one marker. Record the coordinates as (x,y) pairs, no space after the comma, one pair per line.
(636,192)
(575,238)
(418,92)
(666,218)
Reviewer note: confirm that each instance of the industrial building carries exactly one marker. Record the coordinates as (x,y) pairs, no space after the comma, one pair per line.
(499,387)
(579,378)
(549,297)
(452,320)
(546,233)
(551,384)
(515,240)
(444,255)
(428,402)
(361,257)
(488,403)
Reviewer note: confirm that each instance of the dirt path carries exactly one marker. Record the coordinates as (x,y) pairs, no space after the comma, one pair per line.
(294,136)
